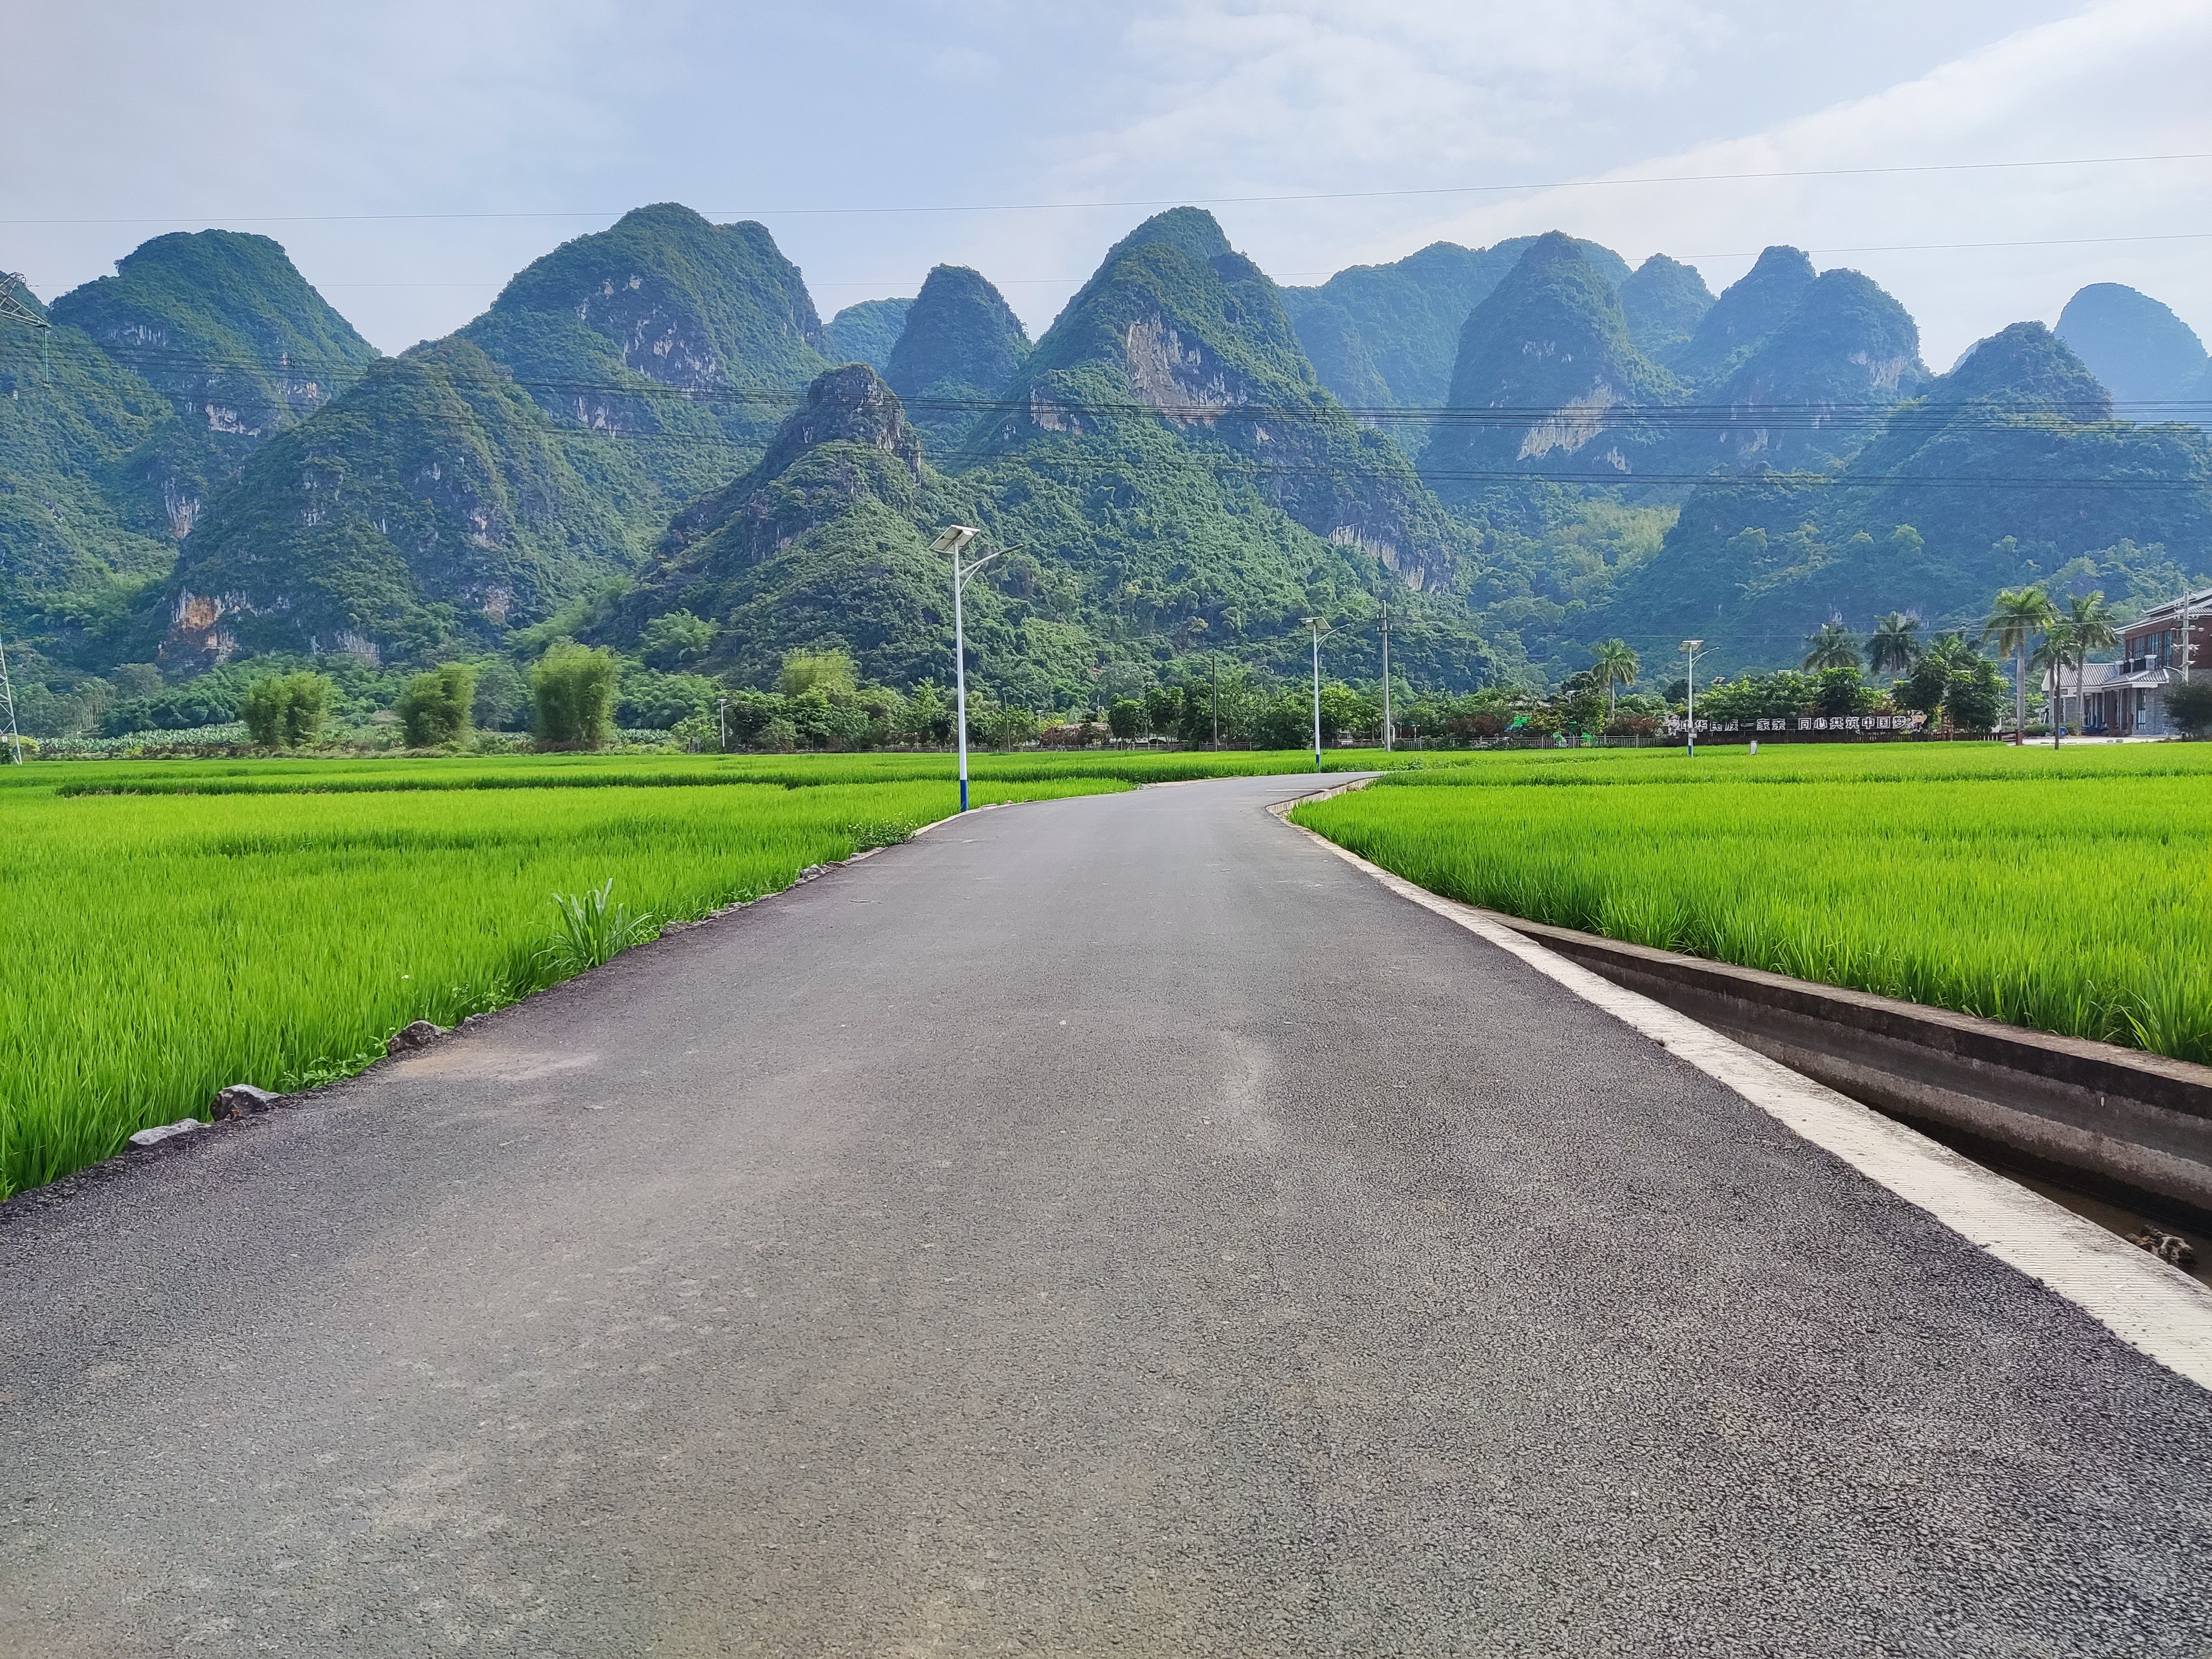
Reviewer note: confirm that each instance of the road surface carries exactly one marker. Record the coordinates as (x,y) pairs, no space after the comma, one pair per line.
(1111,1225)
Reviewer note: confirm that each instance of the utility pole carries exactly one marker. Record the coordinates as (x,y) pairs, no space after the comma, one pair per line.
(1319,628)
(953,540)
(1690,649)
(722,723)
(1217,710)
(1386,675)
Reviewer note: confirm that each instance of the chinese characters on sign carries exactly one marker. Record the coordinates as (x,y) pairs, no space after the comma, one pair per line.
(1836,723)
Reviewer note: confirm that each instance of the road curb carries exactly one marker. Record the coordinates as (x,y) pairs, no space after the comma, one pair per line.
(2152,1306)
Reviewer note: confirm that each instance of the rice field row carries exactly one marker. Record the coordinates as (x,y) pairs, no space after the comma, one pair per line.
(2071,891)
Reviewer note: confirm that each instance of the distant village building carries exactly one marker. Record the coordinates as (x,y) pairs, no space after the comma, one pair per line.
(2127,698)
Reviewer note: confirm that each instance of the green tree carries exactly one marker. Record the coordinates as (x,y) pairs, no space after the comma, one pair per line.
(1125,719)
(2019,615)
(438,708)
(1975,696)
(1343,709)
(1928,687)
(1831,646)
(502,697)
(1841,691)
(1164,707)
(677,638)
(284,711)
(2188,705)
(1617,666)
(572,696)
(1895,646)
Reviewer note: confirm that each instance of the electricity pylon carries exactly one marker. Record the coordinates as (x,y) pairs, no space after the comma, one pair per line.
(13,310)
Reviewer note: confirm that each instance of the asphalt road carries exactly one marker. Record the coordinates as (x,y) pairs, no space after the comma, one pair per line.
(1101,1226)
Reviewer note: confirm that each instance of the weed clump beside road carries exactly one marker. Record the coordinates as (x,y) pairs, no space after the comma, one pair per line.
(2069,891)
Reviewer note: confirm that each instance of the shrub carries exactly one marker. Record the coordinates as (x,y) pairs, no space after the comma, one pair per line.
(438,708)
(572,694)
(282,711)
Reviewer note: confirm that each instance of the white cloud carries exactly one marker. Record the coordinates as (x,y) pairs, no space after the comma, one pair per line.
(2122,79)
(257,113)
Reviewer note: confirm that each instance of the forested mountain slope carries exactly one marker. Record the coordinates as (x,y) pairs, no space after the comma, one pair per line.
(476,482)
(959,346)
(225,326)
(1384,337)
(2009,470)
(1135,466)
(864,333)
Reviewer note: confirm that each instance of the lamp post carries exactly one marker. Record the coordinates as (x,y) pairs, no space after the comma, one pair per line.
(1690,649)
(1386,677)
(953,539)
(1319,629)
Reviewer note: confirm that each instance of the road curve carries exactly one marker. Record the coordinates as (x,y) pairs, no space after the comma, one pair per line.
(1110,1225)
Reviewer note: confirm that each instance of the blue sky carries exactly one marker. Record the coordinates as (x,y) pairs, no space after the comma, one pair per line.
(412,155)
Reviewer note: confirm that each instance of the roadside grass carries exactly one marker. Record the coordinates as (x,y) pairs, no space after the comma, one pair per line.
(2068,891)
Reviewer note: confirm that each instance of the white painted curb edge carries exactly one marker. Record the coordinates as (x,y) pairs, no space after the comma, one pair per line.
(2145,1303)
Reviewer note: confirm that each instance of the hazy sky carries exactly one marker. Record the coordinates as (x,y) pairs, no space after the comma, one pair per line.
(412,155)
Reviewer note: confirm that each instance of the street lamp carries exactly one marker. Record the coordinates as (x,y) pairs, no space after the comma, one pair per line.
(1690,649)
(1319,629)
(953,539)
(1386,677)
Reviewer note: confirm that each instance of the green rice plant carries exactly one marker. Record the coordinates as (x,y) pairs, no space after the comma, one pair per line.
(2070,892)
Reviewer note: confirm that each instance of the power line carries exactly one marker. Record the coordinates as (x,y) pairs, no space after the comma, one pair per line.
(1414,192)
(1906,414)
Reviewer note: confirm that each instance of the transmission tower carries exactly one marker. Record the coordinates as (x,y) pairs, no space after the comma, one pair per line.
(13,310)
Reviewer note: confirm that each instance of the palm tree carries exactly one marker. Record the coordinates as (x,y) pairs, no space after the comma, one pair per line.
(1832,648)
(1895,646)
(2060,650)
(2019,615)
(2094,628)
(1617,665)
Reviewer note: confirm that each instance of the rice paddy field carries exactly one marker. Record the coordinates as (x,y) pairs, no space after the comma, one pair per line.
(2070,890)
(173,926)
(176,926)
